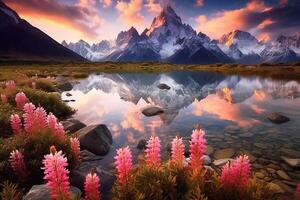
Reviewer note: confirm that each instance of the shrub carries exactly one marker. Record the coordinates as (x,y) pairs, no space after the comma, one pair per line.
(45,85)
(50,102)
(10,192)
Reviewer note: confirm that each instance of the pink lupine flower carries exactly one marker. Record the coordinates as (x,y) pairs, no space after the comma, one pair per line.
(153,152)
(75,146)
(16,123)
(4,98)
(56,127)
(21,100)
(35,119)
(28,116)
(17,162)
(197,148)
(56,174)
(236,176)
(177,158)
(10,85)
(91,187)
(298,192)
(123,165)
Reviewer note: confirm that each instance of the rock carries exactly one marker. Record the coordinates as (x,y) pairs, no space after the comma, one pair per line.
(224,153)
(142,144)
(260,145)
(38,192)
(206,160)
(275,188)
(283,175)
(77,177)
(65,86)
(85,155)
(96,139)
(223,161)
(209,150)
(163,86)
(152,111)
(68,94)
(291,162)
(277,118)
(271,170)
(73,125)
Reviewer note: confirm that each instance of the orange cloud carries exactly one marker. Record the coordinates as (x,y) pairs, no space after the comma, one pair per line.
(200,2)
(153,7)
(130,12)
(82,16)
(265,23)
(229,20)
(283,2)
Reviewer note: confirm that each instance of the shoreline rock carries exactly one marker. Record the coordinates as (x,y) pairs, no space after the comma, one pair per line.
(96,139)
(277,118)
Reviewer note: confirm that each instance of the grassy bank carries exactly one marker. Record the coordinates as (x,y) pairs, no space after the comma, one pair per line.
(82,70)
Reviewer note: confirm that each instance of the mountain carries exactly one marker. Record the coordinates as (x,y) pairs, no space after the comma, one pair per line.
(92,52)
(167,39)
(242,47)
(20,40)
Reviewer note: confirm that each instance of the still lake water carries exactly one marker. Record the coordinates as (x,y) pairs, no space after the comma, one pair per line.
(232,110)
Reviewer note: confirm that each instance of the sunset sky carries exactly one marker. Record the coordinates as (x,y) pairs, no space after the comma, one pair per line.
(94,20)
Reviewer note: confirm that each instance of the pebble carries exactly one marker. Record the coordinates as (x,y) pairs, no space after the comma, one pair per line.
(283,175)
(224,153)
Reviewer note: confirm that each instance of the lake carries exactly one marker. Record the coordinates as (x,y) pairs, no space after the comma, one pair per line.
(232,110)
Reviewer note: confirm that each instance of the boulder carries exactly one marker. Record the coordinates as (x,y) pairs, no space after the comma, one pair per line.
(163,86)
(77,177)
(142,144)
(96,139)
(38,192)
(277,118)
(73,125)
(291,161)
(152,111)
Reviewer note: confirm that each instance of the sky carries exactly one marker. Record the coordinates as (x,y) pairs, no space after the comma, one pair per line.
(95,20)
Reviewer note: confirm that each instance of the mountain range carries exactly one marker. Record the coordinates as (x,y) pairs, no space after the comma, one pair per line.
(169,39)
(22,41)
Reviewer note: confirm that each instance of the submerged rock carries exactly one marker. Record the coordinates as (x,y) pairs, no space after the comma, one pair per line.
(73,125)
(152,111)
(38,192)
(163,86)
(277,118)
(275,188)
(222,161)
(291,161)
(283,175)
(224,153)
(96,139)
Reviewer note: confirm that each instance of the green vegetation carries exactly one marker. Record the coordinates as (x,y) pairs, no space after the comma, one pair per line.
(75,71)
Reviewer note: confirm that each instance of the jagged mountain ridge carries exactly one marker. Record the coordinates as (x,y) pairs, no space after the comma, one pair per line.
(169,39)
(22,41)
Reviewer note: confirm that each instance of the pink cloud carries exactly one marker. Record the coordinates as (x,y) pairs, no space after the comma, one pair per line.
(106,3)
(200,3)
(130,12)
(153,7)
